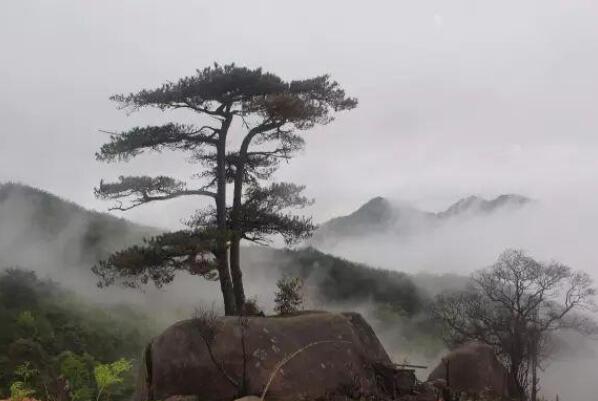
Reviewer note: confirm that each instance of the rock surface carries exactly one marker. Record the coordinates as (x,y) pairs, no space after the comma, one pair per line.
(473,368)
(343,349)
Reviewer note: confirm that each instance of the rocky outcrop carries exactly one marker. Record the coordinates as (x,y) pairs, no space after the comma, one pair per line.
(331,353)
(473,368)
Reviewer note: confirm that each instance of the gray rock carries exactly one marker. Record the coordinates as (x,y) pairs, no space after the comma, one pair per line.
(178,361)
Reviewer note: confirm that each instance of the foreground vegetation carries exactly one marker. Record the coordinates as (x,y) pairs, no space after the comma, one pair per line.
(49,336)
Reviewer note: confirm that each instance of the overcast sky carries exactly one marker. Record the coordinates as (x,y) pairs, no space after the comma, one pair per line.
(456,97)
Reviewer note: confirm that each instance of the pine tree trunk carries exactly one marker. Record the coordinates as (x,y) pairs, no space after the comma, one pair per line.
(235,247)
(230,308)
(236,272)
(221,247)
(236,226)
(236,217)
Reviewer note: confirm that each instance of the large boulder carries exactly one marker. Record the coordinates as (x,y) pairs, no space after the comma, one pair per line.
(337,353)
(473,368)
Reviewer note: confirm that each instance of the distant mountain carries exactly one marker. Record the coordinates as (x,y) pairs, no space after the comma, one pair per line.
(379,215)
(477,205)
(41,231)
(376,214)
(39,227)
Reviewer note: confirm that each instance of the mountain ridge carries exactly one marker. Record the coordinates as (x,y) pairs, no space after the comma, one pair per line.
(379,214)
(44,216)
(36,222)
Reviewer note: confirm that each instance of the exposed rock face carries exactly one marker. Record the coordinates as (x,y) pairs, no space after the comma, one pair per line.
(178,362)
(474,369)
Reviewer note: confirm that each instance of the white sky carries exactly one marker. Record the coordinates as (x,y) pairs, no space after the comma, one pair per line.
(456,97)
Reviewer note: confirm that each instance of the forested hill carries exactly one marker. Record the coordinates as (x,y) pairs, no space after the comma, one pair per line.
(38,229)
(53,332)
(339,281)
(37,226)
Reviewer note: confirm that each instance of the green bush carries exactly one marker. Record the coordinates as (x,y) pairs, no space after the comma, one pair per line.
(109,376)
(55,333)
(289,296)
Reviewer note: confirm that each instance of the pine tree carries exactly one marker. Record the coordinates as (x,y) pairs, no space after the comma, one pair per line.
(271,113)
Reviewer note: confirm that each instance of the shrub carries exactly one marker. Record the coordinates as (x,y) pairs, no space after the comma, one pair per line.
(289,297)
(19,391)
(252,308)
(109,375)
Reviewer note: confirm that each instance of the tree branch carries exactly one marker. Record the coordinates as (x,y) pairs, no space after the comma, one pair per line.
(146,189)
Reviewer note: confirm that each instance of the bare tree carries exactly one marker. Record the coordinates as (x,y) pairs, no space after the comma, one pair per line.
(516,306)
(210,325)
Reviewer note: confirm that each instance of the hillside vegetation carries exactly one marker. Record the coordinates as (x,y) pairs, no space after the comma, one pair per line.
(339,281)
(32,217)
(50,332)
(52,320)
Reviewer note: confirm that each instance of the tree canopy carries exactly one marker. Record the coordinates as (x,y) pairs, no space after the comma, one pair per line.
(271,115)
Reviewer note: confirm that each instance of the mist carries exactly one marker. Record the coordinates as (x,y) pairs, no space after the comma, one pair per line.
(455,98)
(60,241)
(562,228)
(546,228)
(438,257)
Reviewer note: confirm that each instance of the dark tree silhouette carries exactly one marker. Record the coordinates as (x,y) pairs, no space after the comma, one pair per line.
(515,306)
(270,114)
(276,120)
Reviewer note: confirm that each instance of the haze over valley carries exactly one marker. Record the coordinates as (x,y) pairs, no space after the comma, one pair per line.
(61,241)
(193,189)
